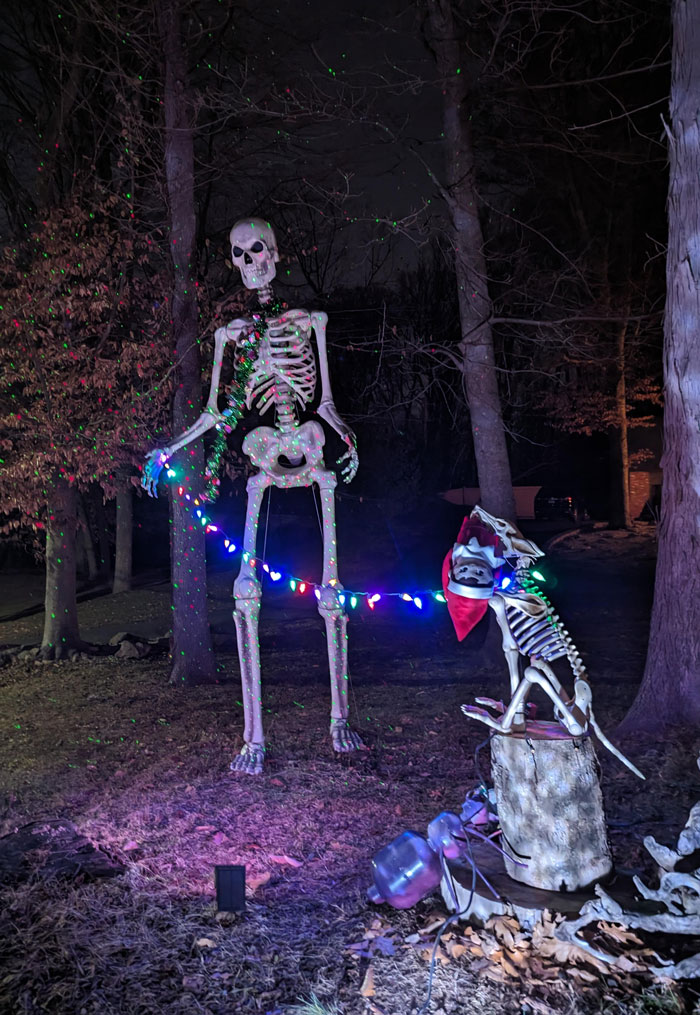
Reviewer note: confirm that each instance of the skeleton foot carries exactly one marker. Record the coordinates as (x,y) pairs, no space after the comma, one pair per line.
(666,858)
(344,738)
(472,712)
(251,760)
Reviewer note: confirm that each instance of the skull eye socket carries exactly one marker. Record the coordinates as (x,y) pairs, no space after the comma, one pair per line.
(237,252)
(257,247)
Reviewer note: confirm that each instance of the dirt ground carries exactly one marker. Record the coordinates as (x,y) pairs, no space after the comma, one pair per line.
(141,770)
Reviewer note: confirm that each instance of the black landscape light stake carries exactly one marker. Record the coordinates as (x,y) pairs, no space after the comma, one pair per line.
(230,888)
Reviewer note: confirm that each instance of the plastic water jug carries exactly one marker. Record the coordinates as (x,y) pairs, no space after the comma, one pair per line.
(405,871)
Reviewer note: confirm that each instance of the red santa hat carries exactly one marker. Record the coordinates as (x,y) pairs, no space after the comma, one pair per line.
(467,605)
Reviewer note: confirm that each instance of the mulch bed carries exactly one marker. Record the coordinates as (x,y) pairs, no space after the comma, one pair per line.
(139,771)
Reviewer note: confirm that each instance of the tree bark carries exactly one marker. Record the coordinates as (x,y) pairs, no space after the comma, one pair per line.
(550,808)
(123,538)
(61,632)
(85,536)
(475,310)
(99,517)
(670,690)
(192,654)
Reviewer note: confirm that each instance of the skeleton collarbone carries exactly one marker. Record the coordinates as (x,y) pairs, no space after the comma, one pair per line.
(284,372)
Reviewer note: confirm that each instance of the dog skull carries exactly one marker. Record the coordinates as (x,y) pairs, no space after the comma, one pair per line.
(254,252)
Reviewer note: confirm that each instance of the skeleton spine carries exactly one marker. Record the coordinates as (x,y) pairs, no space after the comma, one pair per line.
(285,407)
(545,637)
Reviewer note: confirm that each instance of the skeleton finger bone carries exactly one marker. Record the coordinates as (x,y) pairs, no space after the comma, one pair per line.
(349,471)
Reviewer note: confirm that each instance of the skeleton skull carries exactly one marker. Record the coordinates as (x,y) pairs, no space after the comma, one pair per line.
(472,569)
(254,252)
(473,573)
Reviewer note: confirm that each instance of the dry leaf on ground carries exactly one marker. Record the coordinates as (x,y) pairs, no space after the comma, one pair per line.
(285,860)
(367,988)
(257,881)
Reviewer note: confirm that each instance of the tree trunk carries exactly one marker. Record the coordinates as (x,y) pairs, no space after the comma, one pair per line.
(550,808)
(123,538)
(620,517)
(192,655)
(85,537)
(479,364)
(670,690)
(61,610)
(102,527)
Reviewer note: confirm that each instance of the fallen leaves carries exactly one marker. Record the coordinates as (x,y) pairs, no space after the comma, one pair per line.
(378,938)
(256,881)
(504,953)
(287,861)
(367,988)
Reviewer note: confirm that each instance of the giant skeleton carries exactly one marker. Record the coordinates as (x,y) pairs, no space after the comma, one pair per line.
(289,454)
(533,635)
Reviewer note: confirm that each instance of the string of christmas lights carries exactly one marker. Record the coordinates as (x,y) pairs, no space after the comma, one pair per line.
(302,585)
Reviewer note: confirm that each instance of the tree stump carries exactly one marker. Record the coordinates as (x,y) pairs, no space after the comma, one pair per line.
(550,807)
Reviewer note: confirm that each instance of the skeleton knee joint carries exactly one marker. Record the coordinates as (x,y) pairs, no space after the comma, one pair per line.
(329,599)
(247,587)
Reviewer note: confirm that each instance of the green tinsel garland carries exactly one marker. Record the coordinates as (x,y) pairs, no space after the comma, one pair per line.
(246,355)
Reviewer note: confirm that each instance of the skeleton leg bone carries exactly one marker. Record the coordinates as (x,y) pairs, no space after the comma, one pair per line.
(538,672)
(331,609)
(247,593)
(511,652)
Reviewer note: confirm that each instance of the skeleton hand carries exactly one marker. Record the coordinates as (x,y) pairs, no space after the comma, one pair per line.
(351,457)
(152,470)
(328,411)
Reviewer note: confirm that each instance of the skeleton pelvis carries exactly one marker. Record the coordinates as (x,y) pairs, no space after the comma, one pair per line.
(302,449)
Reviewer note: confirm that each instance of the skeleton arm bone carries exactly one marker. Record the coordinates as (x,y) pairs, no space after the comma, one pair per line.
(510,647)
(327,409)
(207,419)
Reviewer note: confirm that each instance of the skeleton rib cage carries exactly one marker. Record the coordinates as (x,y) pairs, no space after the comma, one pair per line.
(543,636)
(285,368)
